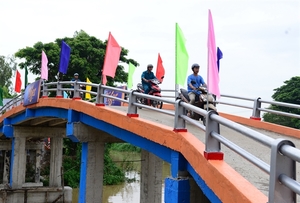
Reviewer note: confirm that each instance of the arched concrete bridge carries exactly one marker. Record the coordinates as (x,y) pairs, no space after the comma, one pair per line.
(194,177)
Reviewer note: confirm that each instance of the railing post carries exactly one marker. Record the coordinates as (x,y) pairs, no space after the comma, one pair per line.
(44,90)
(281,164)
(256,112)
(76,91)
(179,123)
(58,90)
(212,146)
(99,97)
(132,109)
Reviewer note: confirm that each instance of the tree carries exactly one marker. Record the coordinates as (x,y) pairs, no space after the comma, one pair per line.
(87,58)
(289,93)
(7,67)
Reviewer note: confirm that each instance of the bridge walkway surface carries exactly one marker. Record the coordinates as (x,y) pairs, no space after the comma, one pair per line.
(252,173)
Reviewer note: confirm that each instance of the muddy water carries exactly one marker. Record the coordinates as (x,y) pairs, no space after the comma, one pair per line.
(128,191)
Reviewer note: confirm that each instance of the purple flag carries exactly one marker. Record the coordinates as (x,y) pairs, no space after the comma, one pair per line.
(219,56)
(64,57)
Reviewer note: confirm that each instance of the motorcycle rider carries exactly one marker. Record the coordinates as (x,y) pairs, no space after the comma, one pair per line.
(76,78)
(194,81)
(146,76)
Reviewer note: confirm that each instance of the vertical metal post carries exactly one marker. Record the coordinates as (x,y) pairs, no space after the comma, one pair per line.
(281,164)
(212,146)
(44,90)
(179,123)
(58,90)
(76,91)
(132,109)
(99,97)
(256,112)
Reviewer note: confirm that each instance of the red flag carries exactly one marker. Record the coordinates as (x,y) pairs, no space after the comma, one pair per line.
(18,83)
(160,70)
(112,57)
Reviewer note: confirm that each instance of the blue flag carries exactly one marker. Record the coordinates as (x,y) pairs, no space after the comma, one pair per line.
(219,56)
(64,57)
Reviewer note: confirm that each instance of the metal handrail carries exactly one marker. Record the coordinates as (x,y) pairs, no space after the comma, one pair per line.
(285,149)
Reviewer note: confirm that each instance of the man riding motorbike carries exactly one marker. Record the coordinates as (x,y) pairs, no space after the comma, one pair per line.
(146,76)
(194,81)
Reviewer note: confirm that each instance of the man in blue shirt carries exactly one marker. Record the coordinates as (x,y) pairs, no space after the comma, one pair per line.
(193,82)
(76,78)
(146,76)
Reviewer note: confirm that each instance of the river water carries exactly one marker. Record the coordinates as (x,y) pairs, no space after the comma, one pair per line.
(128,192)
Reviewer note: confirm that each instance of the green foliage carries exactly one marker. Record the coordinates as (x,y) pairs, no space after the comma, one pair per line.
(289,93)
(124,147)
(87,58)
(7,67)
(112,173)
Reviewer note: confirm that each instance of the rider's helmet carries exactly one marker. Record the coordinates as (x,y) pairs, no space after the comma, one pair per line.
(149,66)
(76,74)
(195,65)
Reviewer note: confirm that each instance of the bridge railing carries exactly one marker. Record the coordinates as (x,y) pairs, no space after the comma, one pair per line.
(283,185)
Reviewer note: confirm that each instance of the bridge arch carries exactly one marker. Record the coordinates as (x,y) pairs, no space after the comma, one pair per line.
(181,149)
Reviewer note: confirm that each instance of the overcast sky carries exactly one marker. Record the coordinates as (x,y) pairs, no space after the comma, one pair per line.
(260,40)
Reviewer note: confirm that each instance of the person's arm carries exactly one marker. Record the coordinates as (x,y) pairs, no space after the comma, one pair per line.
(190,84)
(143,77)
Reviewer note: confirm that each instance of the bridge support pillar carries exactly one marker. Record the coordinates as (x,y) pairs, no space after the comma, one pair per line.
(151,178)
(56,162)
(91,174)
(177,190)
(18,162)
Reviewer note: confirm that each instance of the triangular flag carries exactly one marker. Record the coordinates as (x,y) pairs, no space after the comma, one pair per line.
(219,56)
(1,96)
(182,58)
(18,82)
(112,57)
(64,57)
(131,70)
(88,88)
(212,73)
(104,79)
(160,70)
(44,68)
(26,76)
(65,94)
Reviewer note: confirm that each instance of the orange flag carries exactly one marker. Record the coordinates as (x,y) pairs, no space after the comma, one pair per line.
(18,83)
(112,57)
(160,70)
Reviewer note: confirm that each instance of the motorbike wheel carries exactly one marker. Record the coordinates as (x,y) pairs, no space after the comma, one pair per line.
(157,104)
(139,100)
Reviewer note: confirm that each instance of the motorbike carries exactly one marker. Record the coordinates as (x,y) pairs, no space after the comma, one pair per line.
(204,101)
(154,91)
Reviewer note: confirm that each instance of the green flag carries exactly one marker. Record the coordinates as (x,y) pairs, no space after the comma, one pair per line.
(1,96)
(182,58)
(131,70)
(26,76)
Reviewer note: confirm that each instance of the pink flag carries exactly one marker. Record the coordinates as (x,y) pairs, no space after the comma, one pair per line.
(112,57)
(212,73)
(104,80)
(160,70)
(44,68)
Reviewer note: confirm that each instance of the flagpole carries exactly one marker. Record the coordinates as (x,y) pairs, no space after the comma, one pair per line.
(176,85)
